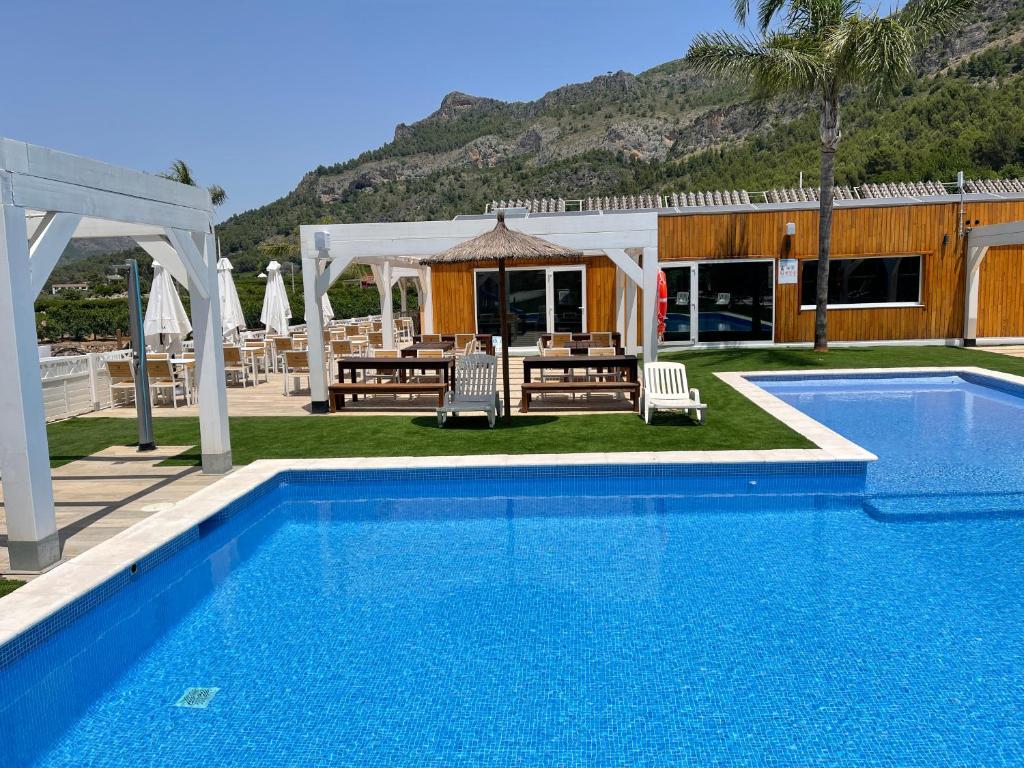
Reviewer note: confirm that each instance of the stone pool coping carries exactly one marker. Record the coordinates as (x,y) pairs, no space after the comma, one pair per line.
(49,593)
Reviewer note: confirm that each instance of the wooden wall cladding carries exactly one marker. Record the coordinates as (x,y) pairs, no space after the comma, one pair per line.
(929,230)
(454,300)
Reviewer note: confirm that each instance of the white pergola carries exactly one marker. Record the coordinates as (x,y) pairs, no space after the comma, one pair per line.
(47,198)
(394,251)
(979,240)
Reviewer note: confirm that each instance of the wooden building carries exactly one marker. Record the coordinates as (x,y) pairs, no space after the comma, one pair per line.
(747,272)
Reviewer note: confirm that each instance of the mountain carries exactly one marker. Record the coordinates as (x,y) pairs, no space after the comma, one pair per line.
(669,130)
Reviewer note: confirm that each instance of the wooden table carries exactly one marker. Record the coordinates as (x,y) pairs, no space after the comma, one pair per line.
(412,349)
(627,363)
(403,365)
(582,340)
(486,340)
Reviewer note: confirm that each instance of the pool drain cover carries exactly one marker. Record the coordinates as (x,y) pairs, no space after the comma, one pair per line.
(197,698)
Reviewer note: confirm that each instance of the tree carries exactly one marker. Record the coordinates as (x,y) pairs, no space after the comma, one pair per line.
(822,48)
(181,173)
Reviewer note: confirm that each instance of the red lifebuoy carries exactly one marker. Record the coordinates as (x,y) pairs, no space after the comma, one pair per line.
(662,302)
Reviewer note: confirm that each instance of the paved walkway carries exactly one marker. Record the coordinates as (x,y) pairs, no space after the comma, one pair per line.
(103,494)
(1012,350)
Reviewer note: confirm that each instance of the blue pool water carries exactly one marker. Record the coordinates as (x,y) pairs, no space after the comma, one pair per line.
(946,444)
(598,616)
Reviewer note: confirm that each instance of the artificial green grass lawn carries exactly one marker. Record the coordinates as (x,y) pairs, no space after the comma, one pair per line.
(9,585)
(733,422)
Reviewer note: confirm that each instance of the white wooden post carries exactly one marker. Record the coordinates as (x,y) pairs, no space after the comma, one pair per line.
(32,539)
(629,339)
(631,274)
(972,270)
(403,293)
(425,298)
(214,434)
(311,293)
(650,273)
(387,306)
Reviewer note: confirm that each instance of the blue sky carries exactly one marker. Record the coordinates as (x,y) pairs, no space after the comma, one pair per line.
(254,94)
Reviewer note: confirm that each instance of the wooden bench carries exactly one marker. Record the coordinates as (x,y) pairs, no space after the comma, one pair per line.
(337,392)
(632,388)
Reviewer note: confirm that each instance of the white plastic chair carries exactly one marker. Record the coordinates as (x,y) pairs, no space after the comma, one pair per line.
(666,389)
(476,389)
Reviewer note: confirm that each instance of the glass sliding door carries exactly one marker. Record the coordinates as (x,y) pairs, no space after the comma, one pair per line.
(678,325)
(567,300)
(735,300)
(540,301)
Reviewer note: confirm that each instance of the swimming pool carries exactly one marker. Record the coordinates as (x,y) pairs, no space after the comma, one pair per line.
(947,444)
(592,615)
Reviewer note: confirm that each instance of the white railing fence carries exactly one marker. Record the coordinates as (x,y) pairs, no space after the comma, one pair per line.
(76,384)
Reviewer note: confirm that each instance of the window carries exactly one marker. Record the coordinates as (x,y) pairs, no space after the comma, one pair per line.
(865,281)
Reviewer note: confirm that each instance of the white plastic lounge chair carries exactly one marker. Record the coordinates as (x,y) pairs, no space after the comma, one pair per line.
(665,389)
(476,389)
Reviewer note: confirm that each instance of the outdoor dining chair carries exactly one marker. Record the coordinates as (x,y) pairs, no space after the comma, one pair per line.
(163,378)
(560,340)
(433,377)
(463,342)
(235,367)
(558,375)
(430,338)
(122,382)
(296,365)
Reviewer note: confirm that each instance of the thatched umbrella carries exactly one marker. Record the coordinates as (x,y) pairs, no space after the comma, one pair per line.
(502,244)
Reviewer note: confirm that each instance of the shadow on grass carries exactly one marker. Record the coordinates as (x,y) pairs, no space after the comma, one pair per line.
(476,423)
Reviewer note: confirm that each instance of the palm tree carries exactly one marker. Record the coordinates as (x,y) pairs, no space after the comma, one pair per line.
(181,173)
(824,48)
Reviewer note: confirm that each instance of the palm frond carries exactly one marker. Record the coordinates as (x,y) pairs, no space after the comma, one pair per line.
(180,172)
(767,10)
(876,53)
(217,195)
(722,53)
(924,18)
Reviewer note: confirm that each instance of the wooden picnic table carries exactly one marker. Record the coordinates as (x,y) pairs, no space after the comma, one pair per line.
(628,363)
(403,365)
(412,349)
(583,340)
(486,340)
(353,365)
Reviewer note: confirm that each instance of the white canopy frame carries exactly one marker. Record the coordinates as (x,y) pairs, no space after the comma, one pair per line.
(395,250)
(47,198)
(979,240)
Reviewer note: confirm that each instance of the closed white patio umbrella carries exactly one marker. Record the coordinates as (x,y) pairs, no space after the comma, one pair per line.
(166,323)
(276,311)
(232,320)
(328,310)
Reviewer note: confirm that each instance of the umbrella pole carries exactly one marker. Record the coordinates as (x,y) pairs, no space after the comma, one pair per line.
(503,309)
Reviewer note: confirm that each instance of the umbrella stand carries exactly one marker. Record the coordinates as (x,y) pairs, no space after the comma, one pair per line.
(503,310)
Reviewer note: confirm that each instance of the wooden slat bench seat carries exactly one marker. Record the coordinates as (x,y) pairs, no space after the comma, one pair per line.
(631,388)
(337,392)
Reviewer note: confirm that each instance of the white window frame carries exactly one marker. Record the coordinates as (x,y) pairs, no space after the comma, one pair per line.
(549,306)
(874,304)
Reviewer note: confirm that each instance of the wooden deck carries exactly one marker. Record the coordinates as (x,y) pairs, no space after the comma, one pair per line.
(268,399)
(103,494)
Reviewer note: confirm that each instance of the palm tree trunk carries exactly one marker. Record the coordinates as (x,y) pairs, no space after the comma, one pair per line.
(830,135)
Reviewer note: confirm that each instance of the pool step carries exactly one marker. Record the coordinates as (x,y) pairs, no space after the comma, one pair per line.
(932,508)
